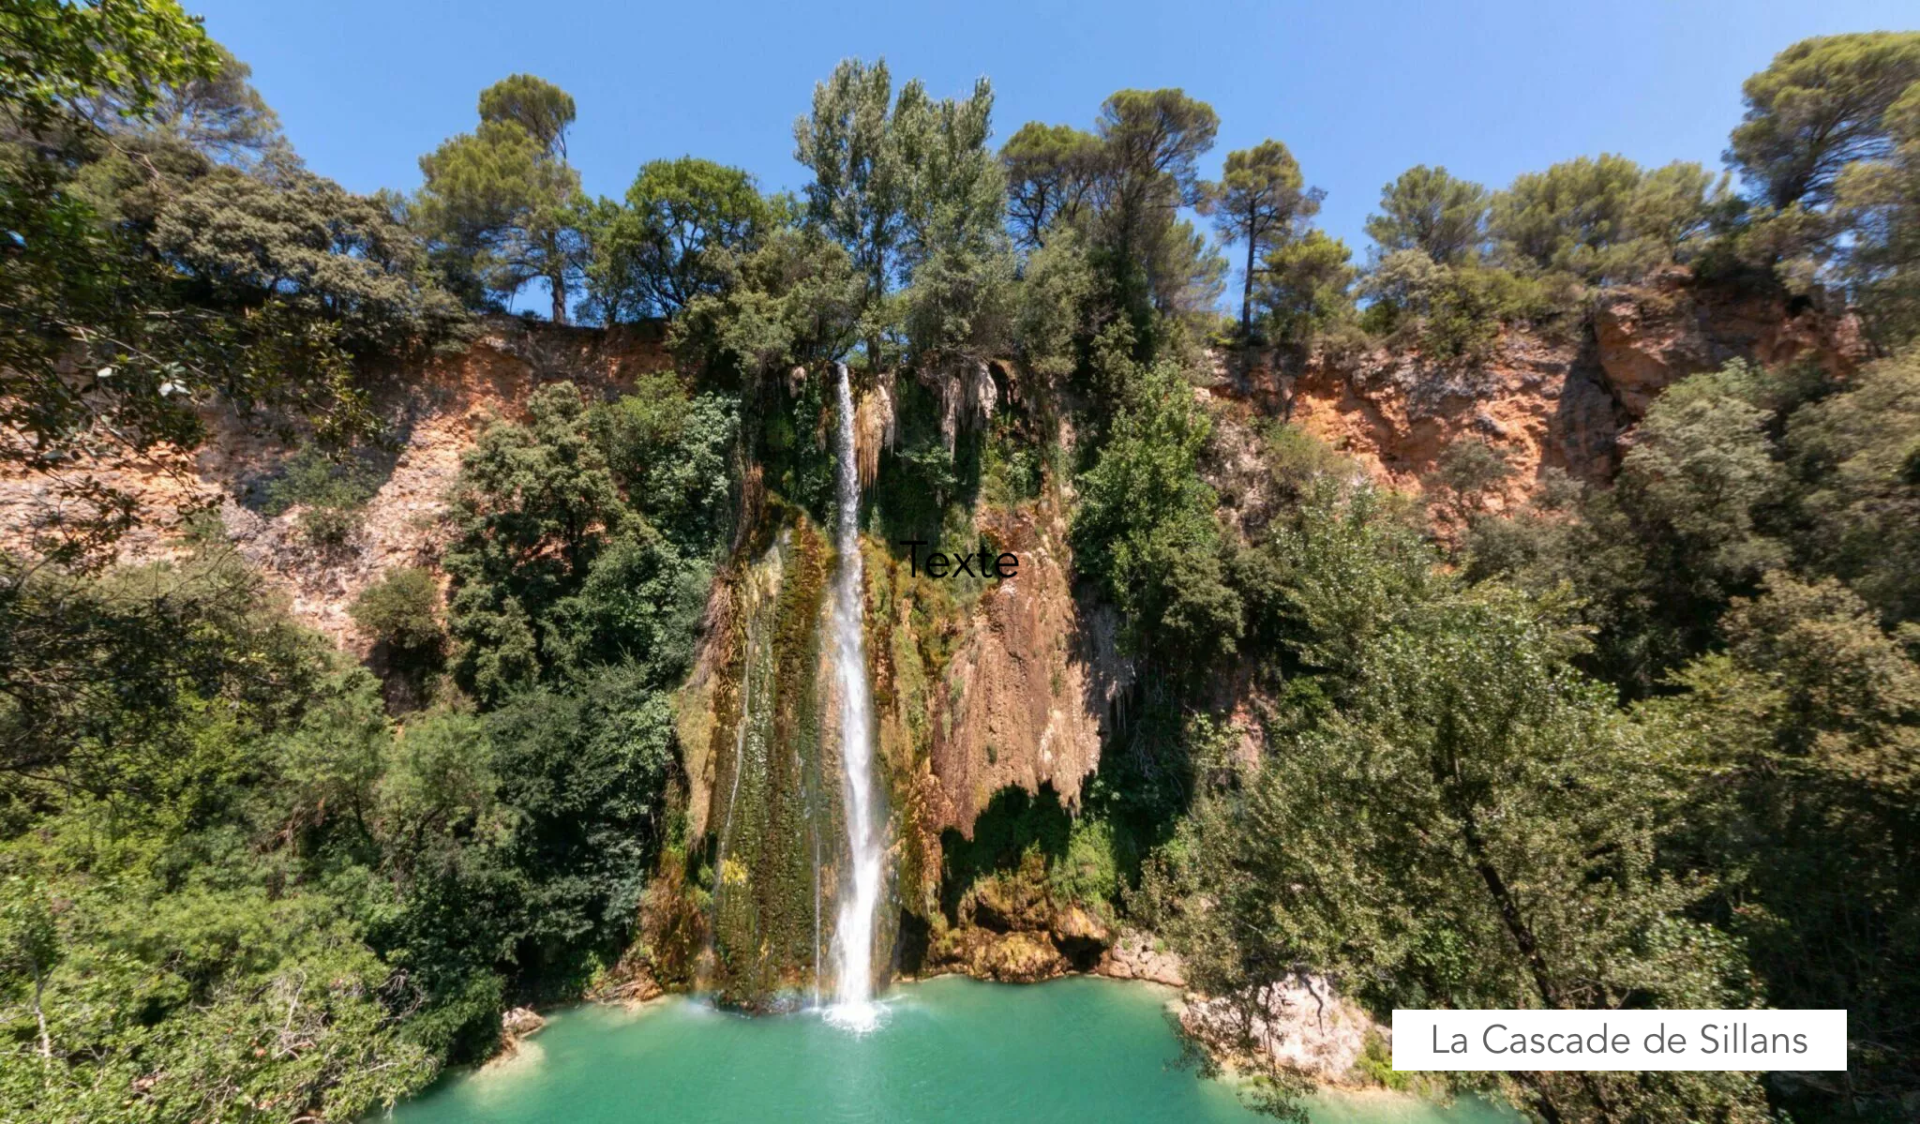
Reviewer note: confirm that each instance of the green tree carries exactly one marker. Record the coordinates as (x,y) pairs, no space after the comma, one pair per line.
(402,611)
(1427,209)
(1051,171)
(1818,107)
(1451,312)
(663,248)
(532,508)
(1473,826)
(1879,203)
(954,251)
(797,300)
(1604,220)
(671,452)
(1674,209)
(502,201)
(1329,575)
(1466,471)
(1145,529)
(541,108)
(110,348)
(1305,288)
(1051,317)
(907,185)
(87,660)
(59,56)
(308,245)
(219,115)
(1153,141)
(1694,519)
(858,191)
(1853,456)
(1562,217)
(1258,200)
(330,492)
(955,190)
(1698,480)
(586,772)
(29,946)
(1794,749)
(639,605)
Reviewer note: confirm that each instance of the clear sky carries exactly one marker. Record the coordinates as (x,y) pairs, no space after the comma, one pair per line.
(1359,91)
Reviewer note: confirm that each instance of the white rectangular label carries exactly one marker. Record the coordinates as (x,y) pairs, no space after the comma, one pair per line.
(1619,1040)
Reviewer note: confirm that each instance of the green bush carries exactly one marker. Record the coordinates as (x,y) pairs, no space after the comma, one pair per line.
(1376,1064)
(401,610)
(1146,529)
(670,452)
(1452,312)
(330,494)
(1089,873)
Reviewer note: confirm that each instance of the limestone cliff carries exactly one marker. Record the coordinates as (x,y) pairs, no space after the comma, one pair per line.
(431,413)
(1564,399)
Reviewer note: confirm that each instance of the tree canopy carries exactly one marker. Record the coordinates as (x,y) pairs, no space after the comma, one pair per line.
(664,247)
(501,203)
(1258,201)
(1821,105)
(1428,210)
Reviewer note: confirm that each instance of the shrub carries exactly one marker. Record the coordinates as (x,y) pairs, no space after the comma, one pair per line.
(401,610)
(1469,469)
(329,492)
(1450,312)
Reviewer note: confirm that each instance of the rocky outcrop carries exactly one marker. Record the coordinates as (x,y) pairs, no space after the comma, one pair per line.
(1650,337)
(1297,1024)
(520,1022)
(1142,956)
(967,393)
(1009,928)
(1030,688)
(1563,399)
(432,415)
(630,981)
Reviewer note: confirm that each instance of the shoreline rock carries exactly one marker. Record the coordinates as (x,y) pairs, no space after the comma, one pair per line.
(1136,955)
(518,1024)
(1298,1023)
(630,982)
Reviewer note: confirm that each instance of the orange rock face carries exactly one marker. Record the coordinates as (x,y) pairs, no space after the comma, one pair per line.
(1545,403)
(435,414)
(1028,690)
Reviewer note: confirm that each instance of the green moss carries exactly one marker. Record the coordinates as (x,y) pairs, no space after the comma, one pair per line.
(770,815)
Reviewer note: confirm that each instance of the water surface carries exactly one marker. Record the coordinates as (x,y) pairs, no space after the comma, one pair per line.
(948,1050)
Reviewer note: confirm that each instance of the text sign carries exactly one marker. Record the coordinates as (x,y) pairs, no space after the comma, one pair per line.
(1619,1040)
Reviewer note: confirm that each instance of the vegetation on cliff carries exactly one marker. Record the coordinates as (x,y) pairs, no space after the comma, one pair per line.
(1642,743)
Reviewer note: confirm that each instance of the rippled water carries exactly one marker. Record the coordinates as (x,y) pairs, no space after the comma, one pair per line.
(950,1050)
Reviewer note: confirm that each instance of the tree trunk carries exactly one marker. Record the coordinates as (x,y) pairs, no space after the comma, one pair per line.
(557,283)
(1480,856)
(1246,294)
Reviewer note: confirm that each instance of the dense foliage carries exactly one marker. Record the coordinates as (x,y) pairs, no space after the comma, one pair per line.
(1644,744)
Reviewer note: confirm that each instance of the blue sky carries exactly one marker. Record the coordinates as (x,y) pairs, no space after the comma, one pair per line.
(1359,91)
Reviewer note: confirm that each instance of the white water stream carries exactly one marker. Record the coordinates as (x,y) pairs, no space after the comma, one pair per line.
(853,1006)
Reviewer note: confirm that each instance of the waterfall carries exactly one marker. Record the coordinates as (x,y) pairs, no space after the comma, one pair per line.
(853,1004)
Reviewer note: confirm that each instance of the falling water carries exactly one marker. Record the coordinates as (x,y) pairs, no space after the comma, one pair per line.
(853,1004)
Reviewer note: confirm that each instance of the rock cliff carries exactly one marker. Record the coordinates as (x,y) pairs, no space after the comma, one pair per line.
(1564,399)
(432,413)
